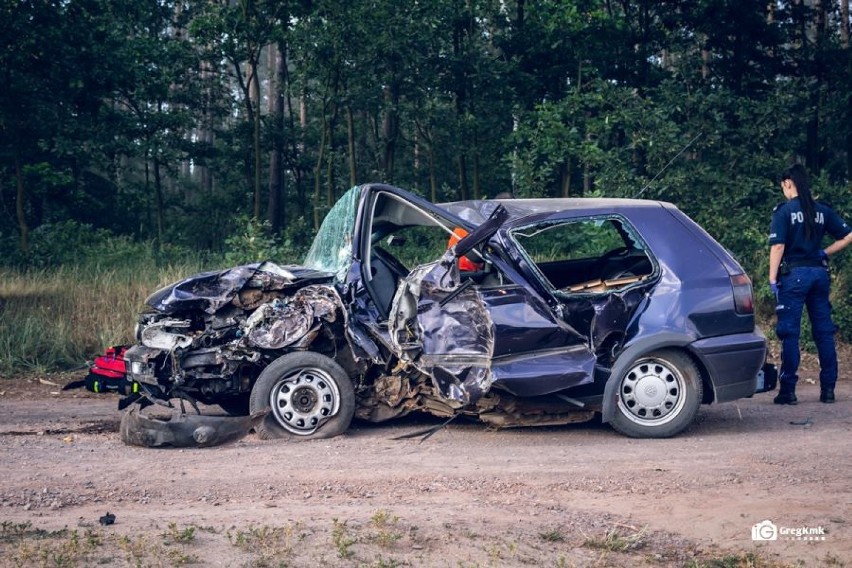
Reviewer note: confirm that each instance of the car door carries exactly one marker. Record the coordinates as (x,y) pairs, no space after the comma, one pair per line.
(471,332)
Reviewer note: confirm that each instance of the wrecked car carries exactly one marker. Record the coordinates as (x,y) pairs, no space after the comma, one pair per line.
(564,309)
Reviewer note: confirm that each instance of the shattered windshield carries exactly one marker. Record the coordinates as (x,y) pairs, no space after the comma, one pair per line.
(332,248)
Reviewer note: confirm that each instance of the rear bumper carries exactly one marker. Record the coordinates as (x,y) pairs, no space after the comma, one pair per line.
(732,363)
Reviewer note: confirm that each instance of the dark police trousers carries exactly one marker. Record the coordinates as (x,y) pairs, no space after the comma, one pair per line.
(805,286)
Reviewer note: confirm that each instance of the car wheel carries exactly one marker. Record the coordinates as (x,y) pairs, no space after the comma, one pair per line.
(309,397)
(658,396)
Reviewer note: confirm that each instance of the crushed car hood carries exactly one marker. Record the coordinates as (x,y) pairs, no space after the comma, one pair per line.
(209,291)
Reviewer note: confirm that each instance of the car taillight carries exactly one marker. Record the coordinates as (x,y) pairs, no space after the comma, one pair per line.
(743,298)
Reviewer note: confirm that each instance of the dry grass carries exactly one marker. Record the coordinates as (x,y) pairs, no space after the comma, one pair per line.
(57,319)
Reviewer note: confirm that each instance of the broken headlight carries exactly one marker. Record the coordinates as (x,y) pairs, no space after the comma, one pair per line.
(139,364)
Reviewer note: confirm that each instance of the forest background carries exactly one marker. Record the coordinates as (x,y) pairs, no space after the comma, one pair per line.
(144,140)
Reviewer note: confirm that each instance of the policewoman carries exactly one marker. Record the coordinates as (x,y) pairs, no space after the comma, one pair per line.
(798,276)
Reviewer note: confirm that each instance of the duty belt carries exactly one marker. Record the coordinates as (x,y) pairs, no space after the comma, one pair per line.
(803,263)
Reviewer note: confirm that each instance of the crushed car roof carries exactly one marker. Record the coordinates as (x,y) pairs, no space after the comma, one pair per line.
(479,210)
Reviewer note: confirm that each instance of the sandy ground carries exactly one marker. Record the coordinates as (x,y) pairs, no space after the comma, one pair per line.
(468,496)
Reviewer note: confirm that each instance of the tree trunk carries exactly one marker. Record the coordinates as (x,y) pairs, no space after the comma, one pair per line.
(476,187)
(20,209)
(158,193)
(205,134)
(390,131)
(587,175)
(815,37)
(350,129)
(329,170)
(147,194)
(460,91)
(254,101)
(844,41)
(296,142)
(206,173)
(433,180)
(462,163)
(565,172)
(244,80)
(416,158)
(317,172)
(276,155)
(301,190)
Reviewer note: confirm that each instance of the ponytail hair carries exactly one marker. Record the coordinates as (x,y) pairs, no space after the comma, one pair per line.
(799,176)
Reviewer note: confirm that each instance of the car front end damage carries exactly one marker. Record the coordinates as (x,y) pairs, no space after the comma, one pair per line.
(207,338)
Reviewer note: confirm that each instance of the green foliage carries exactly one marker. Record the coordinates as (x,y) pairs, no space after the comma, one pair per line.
(136,117)
(255,243)
(179,535)
(725,180)
(69,242)
(341,539)
(573,241)
(385,524)
(271,545)
(306,543)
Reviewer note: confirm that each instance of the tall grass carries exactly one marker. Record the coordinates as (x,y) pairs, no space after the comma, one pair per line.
(58,318)
(79,289)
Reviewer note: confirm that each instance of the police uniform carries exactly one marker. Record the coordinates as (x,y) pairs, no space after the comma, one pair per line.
(803,281)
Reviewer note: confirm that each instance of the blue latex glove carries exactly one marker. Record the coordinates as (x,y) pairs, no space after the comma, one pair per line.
(774,287)
(823,256)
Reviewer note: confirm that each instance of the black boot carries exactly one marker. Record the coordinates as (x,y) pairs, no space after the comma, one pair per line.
(786,395)
(826,394)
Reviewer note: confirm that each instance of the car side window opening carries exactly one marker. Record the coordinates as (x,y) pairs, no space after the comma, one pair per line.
(414,235)
(591,255)
(404,237)
(414,245)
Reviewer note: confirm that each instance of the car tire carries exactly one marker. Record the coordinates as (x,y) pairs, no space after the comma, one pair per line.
(309,397)
(658,396)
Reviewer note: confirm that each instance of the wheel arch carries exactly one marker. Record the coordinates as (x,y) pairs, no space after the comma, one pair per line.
(708,389)
(330,340)
(637,349)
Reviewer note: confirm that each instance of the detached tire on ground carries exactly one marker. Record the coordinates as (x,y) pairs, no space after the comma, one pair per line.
(309,396)
(658,396)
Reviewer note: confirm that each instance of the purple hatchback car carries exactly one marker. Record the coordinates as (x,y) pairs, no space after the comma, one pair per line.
(562,310)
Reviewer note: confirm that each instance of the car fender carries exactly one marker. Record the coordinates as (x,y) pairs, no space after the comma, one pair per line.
(626,358)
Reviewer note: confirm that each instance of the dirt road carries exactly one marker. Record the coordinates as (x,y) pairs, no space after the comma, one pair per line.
(468,496)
